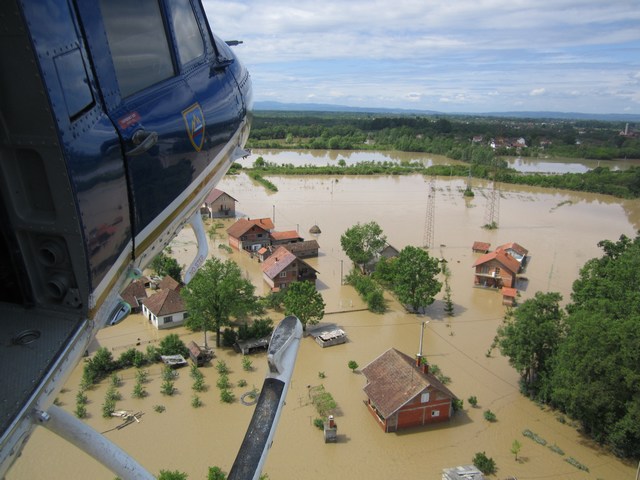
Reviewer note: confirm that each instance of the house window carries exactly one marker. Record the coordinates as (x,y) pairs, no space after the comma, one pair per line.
(185,315)
(283,274)
(283,286)
(497,272)
(168,319)
(424,398)
(484,269)
(435,413)
(259,235)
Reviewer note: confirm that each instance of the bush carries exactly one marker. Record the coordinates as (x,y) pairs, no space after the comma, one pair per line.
(473,401)
(483,463)
(223,382)
(247,366)
(489,416)
(196,402)
(221,367)
(168,388)
(138,391)
(319,423)
(226,396)
(229,337)
(81,410)
(172,345)
(131,358)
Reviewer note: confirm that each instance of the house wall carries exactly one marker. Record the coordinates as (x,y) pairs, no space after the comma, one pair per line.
(223,206)
(415,413)
(483,275)
(166,321)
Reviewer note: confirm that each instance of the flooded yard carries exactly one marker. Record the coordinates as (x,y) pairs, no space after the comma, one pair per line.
(560,230)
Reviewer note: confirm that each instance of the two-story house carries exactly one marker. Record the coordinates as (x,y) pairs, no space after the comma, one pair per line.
(250,235)
(283,268)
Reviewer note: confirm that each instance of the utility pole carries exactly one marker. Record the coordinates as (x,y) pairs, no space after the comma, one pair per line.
(492,213)
(427,239)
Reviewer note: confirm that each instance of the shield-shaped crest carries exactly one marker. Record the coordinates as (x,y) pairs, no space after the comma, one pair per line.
(194,120)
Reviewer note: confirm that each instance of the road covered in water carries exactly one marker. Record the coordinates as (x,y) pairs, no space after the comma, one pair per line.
(561,231)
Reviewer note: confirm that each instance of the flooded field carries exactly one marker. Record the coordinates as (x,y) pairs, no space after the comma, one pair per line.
(560,229)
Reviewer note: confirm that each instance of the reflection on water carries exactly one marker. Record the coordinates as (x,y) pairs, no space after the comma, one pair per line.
(566,165)
(560,229)
(351,157)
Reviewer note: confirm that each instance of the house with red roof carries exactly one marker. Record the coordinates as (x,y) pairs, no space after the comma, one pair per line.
(250,235)
(403,393)
(285,238)
(496,269)
(135,294)
(219,204)
(283,268)
(165,309)
(516,251)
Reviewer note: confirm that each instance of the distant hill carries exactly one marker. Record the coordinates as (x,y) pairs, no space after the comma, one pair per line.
(324,107)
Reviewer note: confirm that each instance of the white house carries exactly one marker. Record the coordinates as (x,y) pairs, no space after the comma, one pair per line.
(165,309)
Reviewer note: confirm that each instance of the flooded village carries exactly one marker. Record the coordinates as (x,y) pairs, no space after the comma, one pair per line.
(556,231)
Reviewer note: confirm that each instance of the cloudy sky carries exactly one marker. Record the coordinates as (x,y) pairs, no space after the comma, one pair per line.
(444,55)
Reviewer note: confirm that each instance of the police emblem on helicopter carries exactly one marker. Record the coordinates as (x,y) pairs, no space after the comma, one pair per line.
(194,121)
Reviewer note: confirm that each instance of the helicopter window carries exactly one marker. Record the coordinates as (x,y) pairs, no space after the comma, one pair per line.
(138,42)
(185,26)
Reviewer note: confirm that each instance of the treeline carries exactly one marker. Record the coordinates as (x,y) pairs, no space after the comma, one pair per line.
(619,183)
(449,136)
(585,360)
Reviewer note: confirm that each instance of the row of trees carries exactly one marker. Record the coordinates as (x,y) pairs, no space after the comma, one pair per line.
(585,359)
(411,276)
(438,135)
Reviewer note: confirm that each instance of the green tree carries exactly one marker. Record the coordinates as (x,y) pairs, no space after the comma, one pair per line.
(215,473)
(172,475)
(515,448)
(305,302)
(483,463)
(217,293)
(414,278)
(173,345)
(165,265)
(362,242)
(530,336)
(353,365)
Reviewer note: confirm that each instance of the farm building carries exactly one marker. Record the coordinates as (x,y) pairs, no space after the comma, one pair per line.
(219,204)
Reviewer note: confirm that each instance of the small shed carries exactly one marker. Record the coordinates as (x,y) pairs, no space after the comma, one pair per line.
(509,296)
(199,356)
(481,247)
(173,361)
(463,472)
(253,345)
(332,337)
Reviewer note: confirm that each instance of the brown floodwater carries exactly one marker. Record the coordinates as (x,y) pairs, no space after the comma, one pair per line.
(560,229)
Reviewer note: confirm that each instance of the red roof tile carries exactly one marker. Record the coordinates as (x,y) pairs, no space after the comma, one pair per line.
(133,292)
(502,257)
(243,225)
(288,235)
(165,302)
(215,194)
(519,249)
(393,380)
(277,262)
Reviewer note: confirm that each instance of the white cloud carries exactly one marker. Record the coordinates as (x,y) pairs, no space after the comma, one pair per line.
(349,51)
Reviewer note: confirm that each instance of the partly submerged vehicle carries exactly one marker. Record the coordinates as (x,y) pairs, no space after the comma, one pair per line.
(117,118)
(120,312)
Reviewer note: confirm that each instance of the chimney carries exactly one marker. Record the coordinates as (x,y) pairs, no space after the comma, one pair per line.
(422,364)
(332,423)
